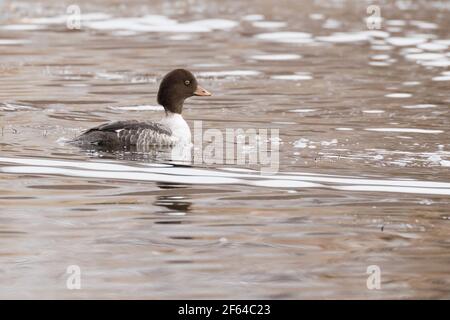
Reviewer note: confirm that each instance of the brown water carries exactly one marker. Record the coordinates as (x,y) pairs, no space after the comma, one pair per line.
(363,177)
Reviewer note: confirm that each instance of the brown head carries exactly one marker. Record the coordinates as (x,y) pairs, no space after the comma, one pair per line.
(175,87)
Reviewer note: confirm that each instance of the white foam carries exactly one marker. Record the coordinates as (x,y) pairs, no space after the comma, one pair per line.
(276,57)
(408,130)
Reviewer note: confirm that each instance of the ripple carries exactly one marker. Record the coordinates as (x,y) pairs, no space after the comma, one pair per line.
(229,73)
(253,17)
(424,24)
(432,46)
(398,95)
(373,111)
(15,107)
(420,106)
(291,77)
(138,108)
(344,129)
(441,78)
(22,27)
(411,83)
(62,19)
(396,23)
(13,41)
(269,24)
(170,174)
(344,37)
(405,41)
(380,57)
(302,110)
(286,37)
(408,130)
(436,63)
(425,56)
(158,23)
(276,57)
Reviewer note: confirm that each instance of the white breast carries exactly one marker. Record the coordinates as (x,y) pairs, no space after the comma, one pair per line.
(178,126)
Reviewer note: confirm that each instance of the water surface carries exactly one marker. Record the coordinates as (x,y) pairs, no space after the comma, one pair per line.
(363,177)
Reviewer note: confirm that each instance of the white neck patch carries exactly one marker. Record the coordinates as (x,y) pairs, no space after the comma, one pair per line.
(179,127)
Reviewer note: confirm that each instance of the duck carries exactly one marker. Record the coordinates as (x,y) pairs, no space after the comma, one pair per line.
(171,130)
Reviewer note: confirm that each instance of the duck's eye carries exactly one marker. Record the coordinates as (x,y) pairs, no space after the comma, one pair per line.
(187,82)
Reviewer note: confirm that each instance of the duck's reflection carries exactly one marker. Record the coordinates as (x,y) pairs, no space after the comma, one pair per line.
(178,203)
(174,203)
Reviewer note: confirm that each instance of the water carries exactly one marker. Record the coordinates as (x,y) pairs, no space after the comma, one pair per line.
(363,176)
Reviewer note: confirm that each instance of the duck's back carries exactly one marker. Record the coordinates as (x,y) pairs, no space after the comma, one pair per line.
(123,134)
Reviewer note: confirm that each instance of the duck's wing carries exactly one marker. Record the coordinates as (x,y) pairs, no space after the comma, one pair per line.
(127,133)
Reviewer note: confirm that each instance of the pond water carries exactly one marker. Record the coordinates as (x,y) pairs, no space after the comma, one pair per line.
(364,150)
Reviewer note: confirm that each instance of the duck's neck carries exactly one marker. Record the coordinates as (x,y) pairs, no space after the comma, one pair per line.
(179,127)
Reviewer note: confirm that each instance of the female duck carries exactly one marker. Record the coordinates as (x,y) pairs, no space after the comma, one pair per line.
(176,86)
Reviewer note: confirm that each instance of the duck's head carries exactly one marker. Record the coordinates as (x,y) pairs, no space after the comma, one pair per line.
(175,87)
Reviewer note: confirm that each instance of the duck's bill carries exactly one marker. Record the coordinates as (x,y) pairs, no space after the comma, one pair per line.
(201,92)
